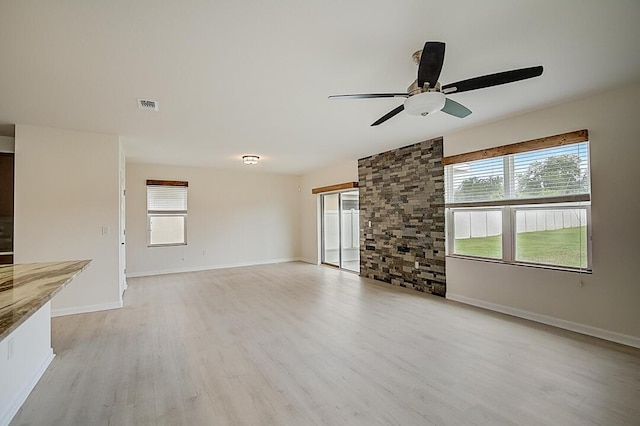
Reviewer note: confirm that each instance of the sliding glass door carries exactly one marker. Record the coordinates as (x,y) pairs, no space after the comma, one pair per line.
(331,229)
(350,230)
(341,230)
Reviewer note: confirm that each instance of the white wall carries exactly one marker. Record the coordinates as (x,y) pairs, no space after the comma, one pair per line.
(309,204)
(234,218)
(66,193)
(607,303)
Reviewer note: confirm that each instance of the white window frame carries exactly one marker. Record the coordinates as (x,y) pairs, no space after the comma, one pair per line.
(509,233)
(165,213)
(510,205)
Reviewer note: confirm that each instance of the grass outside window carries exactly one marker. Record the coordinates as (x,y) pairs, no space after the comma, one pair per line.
(561,247)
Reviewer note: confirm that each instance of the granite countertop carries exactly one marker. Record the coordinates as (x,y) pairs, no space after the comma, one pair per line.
(25,288)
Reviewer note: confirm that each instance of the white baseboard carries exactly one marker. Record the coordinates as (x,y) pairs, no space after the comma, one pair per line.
(545,319)
(21,397)
(210,267)
(85,309)
(312,261)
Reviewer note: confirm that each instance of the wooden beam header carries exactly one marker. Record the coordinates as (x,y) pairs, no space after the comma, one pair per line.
(167,182)
(526,146)
(338,187)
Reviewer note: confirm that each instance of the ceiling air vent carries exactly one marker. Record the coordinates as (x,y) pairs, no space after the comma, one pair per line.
(147,104)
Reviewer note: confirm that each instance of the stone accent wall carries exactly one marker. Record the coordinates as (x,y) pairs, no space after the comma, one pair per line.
(402,198)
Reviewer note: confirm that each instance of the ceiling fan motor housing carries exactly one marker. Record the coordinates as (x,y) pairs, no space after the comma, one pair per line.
(424,103)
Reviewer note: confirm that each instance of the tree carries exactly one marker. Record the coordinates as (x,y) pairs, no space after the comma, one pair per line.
(556,175)
(469,189)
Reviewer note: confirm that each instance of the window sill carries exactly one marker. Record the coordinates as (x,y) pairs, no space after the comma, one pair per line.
(166,245)
(523,264)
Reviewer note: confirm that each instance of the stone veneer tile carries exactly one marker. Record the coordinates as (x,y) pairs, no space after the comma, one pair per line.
(402,194)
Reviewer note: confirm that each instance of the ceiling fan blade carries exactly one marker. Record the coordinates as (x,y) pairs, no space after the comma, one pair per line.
(389,115)
(430,63)
(492,80)
(455,109)
(370,96)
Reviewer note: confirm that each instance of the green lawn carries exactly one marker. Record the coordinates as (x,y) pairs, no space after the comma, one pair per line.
(563,247)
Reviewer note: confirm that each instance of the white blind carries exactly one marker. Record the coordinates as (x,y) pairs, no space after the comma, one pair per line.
(550,172)
(481,180)
(164,198)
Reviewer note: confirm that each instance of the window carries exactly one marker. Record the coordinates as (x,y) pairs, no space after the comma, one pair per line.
(167,212)
(526,203)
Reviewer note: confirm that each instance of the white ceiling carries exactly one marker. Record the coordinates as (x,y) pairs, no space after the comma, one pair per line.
(252,77)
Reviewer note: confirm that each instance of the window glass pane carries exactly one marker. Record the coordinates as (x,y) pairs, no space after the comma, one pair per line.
(562,170)
(552,237)
(331,230)
(166,230)
(478,233)
(350,230)
(550,172)
(481,180)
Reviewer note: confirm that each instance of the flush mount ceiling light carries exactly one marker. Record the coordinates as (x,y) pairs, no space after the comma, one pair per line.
(250,159)
(424,103)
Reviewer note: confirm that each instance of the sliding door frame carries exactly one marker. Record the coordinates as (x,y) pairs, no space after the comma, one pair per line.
(323,260)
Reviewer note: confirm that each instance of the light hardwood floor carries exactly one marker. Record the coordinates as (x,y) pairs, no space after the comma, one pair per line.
(299,344)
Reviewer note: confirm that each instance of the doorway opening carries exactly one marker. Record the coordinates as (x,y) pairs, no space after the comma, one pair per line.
(340,229)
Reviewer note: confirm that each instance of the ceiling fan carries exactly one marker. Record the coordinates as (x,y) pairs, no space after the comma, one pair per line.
(426,95)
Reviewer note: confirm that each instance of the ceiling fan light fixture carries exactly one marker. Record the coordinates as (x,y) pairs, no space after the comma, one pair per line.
(250,159)
(424,103)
